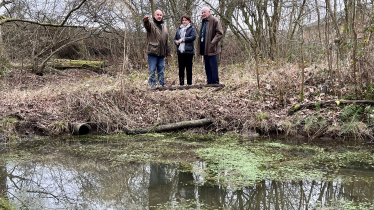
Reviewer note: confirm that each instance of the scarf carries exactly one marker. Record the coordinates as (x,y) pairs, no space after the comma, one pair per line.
(158,23)
(182,34)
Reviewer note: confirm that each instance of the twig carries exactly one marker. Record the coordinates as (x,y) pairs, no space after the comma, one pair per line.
(298,107)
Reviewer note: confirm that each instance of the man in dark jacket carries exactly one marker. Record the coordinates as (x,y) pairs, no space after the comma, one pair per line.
(210,36)
(157,47)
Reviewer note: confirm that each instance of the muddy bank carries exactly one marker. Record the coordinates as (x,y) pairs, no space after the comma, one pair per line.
(50,105)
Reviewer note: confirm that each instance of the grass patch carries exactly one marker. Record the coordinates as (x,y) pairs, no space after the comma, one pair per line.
(8,128)
(7,121)
(313,123)
(6,205)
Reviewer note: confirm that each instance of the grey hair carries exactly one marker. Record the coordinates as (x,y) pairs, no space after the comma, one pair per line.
(158,10)
(206,8)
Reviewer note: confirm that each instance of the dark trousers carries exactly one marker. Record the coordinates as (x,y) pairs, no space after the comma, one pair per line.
(211,69)
(185,62)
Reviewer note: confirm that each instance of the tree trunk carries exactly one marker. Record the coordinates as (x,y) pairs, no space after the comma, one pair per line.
(125,57)
(302,67)
(354,57)
(4,59)
(172,126)
(257,66)
(318,21)
(152,7)
(188,87)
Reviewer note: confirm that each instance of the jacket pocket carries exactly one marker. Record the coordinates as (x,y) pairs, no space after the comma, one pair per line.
(188,47)
(212,48)
(153,48)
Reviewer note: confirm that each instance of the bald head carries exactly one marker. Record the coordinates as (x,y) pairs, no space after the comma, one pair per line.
(158,15)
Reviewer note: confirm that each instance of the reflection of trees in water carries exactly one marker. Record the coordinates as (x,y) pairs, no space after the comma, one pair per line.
(72,183)
(162,182)
(75,184)
(287,195)
(37,185)
(3,176)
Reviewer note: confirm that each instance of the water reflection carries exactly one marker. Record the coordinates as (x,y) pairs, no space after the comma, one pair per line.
(71,183)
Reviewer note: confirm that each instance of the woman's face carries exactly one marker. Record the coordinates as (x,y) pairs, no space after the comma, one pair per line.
(185,22)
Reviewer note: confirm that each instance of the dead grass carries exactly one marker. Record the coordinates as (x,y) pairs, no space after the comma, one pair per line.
(112,104)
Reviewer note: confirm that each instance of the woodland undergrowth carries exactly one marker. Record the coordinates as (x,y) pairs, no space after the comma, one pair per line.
(120,100)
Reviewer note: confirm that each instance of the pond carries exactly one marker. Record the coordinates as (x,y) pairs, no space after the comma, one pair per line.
(186,171)
(60,181)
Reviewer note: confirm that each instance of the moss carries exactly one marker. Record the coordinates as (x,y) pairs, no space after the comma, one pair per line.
(239,164)
(261,116)
(6,205)
(6,121)
(231,160)
(197,137)
(234,166)
(186,204)
(79,63)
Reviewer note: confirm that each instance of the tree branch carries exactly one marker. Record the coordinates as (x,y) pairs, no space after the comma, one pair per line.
(4,19)
(3,3)
(71,11)
(312,105)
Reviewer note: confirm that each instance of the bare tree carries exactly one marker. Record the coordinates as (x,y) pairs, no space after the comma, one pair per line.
(4,60)
(49,30)
(272,21)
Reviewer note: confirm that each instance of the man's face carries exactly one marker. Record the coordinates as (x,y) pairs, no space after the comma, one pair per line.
(205,13)
(158,15)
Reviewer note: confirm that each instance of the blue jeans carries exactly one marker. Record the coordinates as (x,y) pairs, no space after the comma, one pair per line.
(211,69)
(156,62)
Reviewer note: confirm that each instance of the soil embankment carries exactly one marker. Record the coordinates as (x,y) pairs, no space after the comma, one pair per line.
(111,103)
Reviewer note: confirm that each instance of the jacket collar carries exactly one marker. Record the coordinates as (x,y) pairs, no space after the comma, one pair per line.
(209,17)
(158,22)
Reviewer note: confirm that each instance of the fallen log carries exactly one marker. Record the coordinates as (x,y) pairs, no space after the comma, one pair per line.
(187,87)
(63,64)
(298,107)
(172,126)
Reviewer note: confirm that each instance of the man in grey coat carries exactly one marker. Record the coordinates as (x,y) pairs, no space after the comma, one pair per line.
(210,36)
(157,47)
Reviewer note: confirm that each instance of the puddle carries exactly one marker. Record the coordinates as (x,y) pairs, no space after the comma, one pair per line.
(63,182)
